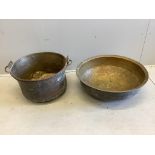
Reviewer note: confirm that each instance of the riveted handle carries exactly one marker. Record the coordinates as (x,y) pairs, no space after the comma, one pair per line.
(69,61)
(8,67)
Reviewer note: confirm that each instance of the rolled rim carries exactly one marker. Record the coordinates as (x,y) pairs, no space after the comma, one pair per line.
(113,56)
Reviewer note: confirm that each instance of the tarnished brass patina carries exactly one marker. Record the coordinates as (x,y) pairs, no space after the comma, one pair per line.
(41,76)
(111,77)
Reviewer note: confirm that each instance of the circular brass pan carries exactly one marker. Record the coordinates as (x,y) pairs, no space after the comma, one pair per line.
(111,76)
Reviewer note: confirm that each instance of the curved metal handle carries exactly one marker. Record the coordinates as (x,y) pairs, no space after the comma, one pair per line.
(69,61)
(8,67)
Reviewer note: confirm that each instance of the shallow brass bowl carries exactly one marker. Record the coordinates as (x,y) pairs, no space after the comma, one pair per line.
(111,76)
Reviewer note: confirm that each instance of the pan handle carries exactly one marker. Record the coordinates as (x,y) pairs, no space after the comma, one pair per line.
(8,67)
(69,61)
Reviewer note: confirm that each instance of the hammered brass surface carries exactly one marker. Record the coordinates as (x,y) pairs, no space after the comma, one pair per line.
(111,78)
(112,73)
(41,76)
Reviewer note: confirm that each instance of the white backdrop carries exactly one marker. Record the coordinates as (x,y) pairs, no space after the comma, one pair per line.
(79,39)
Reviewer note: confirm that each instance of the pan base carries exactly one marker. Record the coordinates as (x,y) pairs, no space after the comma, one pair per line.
(113,78)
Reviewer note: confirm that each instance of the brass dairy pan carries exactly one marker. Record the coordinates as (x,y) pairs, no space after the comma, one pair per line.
(111,77)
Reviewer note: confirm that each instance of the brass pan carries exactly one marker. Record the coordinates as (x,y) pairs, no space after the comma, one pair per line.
(111,77)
